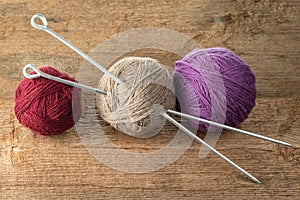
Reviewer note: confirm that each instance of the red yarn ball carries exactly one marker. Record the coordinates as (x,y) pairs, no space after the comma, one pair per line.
(47,107)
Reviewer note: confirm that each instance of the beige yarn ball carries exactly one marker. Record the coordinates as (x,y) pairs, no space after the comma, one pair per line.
(135,106)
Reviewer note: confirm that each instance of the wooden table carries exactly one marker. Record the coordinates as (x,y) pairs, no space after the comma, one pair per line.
(264,33)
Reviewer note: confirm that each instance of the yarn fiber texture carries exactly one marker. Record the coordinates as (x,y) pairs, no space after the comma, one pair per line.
(194,71)
(47,107)
(135,106)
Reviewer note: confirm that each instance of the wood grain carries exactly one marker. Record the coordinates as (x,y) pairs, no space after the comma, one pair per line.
(265,33)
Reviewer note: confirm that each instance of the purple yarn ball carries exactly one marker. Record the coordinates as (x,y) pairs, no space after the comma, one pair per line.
(215,82)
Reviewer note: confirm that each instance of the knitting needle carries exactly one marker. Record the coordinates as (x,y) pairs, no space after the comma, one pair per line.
(92,61)
(165,115)
(71,83)
(189,133)
(228,127)
(45,28)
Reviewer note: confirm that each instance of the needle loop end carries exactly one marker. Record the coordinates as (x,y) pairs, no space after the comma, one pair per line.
(42,18)
(32,67)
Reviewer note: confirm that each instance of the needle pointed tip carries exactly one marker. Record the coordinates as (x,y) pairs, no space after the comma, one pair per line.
(285,143)
(288,144)
(256,180)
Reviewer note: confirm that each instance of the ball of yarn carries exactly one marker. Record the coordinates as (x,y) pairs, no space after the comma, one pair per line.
(135,106)
(47,107)
(238,81)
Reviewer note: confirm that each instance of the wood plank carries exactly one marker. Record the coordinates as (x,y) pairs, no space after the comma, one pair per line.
(264,32)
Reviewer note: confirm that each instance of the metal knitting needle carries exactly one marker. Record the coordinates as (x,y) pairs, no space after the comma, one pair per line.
(228,127)
(48,76)
(45,28)
(165,115)
(189,133)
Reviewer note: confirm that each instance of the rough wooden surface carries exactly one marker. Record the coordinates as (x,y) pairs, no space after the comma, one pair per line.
(264,32)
